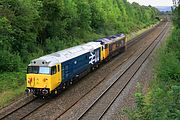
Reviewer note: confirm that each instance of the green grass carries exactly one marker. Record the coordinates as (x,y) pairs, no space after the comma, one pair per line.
(163,99)
(12,85)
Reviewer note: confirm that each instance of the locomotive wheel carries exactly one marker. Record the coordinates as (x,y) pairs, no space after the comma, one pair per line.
(97,65)
(59,90)
(71,82)
(93,68)
(64,86)
(54,93)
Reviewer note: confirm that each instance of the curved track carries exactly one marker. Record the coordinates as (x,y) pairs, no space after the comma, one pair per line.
(135,65)
(129,44)
(141,58)
(33,105)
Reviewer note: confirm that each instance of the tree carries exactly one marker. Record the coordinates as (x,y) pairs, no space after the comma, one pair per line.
(84,13)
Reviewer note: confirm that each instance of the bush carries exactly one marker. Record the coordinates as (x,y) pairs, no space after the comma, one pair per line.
(9,62)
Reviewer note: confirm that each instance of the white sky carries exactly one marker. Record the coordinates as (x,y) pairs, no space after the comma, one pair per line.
(153,2)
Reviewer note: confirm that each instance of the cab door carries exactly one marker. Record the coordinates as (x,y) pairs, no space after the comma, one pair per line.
(59,71)
(106,50)
(55,76)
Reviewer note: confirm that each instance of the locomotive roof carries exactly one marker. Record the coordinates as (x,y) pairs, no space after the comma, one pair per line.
(111,38)
(64,55)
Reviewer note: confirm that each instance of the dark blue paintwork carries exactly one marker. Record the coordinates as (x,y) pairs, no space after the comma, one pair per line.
(76,66)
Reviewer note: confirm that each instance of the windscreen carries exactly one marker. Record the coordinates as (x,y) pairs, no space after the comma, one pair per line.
(39,70)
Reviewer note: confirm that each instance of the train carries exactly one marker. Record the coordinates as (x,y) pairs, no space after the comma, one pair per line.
(50,74)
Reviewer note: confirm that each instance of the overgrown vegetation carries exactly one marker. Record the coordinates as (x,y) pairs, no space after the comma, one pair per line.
(32,28)
(163,99)
(11,86)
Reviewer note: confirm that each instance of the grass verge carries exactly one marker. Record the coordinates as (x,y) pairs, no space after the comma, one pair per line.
(12,85)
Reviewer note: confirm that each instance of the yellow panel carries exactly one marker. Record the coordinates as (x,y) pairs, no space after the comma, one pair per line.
(102,53)
(38,80)
(56,78)
(106,52)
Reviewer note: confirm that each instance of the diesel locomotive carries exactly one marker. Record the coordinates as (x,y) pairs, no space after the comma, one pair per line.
(52,73)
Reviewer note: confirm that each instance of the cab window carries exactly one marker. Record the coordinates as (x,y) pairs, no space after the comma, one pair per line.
(44,70)
(38,70)
(33,70)
(53,70)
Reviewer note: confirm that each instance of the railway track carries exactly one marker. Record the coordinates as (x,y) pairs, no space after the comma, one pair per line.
(129,44)
(142,58)
(139,37)
(90,112)
(33,105)
(24,110)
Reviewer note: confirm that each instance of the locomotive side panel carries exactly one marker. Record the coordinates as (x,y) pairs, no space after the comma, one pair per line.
(117,46)
(75,67)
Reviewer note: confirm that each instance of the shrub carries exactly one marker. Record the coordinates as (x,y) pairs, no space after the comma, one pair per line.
(9,62)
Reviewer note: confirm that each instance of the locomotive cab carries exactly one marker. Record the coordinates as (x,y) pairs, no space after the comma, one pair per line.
(42,80)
